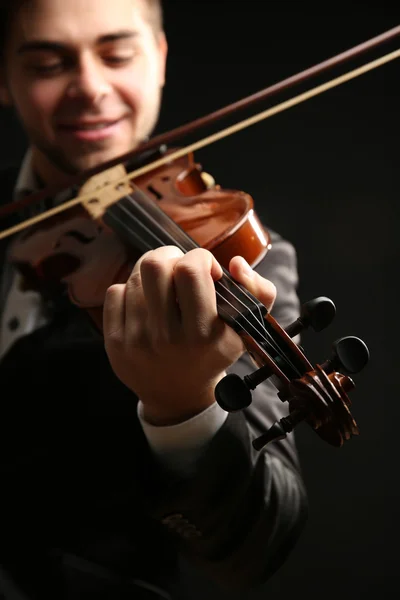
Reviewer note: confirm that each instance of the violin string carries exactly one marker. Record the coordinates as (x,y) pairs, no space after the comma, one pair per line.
(187,243)
(157,240)
(184,250)
(170,239)
(164,223)
(261,331)
(212,138)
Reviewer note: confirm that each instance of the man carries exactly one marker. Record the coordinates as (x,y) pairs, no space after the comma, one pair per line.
(117,458)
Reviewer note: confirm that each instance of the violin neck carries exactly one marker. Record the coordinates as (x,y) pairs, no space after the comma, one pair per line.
(143,225)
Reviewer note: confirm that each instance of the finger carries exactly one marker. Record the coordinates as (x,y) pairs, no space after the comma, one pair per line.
(114,311)
(134,287)
(194,276)
(157,273)
(137,265)
(263,289)
(135,305)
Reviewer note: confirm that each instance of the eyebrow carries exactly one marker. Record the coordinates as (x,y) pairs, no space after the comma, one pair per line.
(60,47)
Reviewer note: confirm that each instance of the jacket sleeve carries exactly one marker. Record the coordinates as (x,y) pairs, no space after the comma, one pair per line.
(237,516)
(242,511)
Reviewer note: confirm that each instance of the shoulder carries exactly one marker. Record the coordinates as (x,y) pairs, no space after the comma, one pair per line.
(279,265)
(8,179)
(282,251)
(281,259)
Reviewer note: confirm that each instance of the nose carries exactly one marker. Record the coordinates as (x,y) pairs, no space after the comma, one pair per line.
(89,81)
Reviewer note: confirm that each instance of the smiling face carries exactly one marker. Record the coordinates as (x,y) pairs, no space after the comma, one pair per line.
(85,77)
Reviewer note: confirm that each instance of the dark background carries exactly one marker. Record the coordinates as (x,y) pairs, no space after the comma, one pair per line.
(323,175)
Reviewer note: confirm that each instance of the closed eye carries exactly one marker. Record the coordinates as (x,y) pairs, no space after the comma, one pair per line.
(118,60)
(48,69)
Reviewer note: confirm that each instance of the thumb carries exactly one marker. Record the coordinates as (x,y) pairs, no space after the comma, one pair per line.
(263,289)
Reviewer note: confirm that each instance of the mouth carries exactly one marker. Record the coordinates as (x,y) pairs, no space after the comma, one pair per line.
(91,130)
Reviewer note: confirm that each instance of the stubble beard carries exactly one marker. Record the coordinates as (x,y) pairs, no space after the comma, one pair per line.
(92,154)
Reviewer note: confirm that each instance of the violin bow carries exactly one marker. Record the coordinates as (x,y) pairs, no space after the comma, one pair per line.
(184,130)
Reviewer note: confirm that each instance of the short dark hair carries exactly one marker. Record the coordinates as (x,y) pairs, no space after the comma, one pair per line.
(8,8)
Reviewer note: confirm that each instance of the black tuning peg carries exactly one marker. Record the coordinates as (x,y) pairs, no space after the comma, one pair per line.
(317,314)
(279,429)
(349,355)
(234,393)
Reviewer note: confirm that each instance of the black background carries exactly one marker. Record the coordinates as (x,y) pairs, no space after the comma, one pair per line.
(323,175)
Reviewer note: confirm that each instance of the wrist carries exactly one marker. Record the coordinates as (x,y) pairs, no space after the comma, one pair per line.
(163,414)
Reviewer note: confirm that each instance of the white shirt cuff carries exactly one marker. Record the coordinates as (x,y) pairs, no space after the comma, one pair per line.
(178,446)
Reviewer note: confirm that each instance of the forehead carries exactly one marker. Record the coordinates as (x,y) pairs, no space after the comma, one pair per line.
(77,21)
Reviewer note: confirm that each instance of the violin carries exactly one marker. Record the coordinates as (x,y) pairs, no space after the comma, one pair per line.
(155,196)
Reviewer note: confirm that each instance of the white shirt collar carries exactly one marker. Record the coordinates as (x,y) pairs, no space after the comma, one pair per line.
(27,180)
(28,183)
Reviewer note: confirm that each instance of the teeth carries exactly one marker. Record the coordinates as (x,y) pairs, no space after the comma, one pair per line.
(98,126)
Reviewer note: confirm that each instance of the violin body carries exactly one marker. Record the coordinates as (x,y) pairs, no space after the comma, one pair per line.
(87,256)
(96,243)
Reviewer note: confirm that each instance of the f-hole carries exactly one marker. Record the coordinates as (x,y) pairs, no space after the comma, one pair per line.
(155,193)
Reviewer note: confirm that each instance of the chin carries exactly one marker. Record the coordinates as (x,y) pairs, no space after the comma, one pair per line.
(103,156)
(89,162)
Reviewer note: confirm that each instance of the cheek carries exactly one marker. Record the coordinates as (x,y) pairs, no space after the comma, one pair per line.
(139,86)
(132,92)
(38,101)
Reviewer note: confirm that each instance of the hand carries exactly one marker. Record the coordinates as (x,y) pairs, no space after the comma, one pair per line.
(163,336)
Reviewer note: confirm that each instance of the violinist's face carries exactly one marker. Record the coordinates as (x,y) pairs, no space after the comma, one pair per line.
(85,77)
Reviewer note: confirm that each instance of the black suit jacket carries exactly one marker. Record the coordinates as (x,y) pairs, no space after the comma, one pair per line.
(85,507)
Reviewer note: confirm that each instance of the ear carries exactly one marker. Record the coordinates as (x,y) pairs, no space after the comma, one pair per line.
(163,52)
